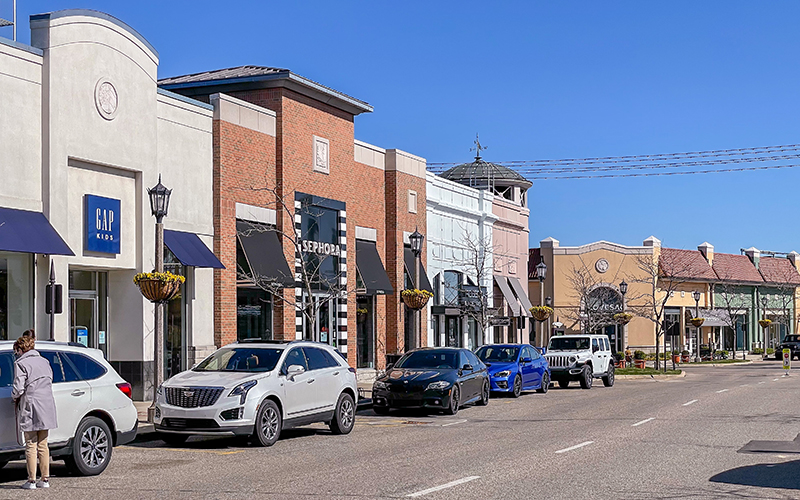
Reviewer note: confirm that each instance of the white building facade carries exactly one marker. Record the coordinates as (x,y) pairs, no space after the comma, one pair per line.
(84,132)
(460,225)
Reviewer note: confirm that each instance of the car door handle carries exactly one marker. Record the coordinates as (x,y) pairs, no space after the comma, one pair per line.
(311,380)
(77,392)
(335,373)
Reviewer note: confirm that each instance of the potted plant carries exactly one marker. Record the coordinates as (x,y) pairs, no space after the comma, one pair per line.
(159,287)
(415,298)
(623,318)
(639,359)
(684,356)
(697,322)
(541,313)
(676,357)
(619,360)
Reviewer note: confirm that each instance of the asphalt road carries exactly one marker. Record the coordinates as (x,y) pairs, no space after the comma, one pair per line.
(666,439)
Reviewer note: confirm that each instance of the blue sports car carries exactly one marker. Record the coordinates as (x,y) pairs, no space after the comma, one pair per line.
(515,368)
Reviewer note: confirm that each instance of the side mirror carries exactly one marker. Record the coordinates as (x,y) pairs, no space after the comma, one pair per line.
(389,366)
(467,367)
(294,371)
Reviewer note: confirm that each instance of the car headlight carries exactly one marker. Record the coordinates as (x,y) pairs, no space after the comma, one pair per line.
(503,374)
(160,391)
(242,389)
(380,385)
(572,359)
(438,386)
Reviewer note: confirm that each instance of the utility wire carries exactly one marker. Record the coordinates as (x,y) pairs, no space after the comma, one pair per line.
(652,174)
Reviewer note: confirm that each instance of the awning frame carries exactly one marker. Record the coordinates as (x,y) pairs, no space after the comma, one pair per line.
(508,295)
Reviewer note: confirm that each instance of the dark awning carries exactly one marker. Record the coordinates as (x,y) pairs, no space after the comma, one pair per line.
(29,232)
(369,265)
(522,295)
(507,294)
(264,253)
(410,260)
(189,250)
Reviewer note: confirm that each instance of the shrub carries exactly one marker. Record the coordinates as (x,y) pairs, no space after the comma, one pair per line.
(758,350)
(638,354)
(770,350)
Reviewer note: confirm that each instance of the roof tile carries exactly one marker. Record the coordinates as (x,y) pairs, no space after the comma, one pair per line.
(776,270)
(533,261)
(730,267)
(686,264)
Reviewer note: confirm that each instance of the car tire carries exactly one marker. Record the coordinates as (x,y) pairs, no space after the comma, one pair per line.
(455,401)
(563,384)
(545,384)
(268,423)
(608,380)
(91,448)
(381,410)
(344,418)
(586,377)
(484,400)
(516,389)
(173,439)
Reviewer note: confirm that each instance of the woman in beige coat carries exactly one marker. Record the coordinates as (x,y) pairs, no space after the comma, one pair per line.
(36,407)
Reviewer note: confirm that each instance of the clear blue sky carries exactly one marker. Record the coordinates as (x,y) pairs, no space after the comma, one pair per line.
(537,80)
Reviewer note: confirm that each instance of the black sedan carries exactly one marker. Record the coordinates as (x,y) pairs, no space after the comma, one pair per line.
(436,378)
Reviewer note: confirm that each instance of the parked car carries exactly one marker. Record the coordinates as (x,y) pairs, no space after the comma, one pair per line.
(582,358)
(258,389)
(93,404)
(791,342)
(514,368)
(443,379)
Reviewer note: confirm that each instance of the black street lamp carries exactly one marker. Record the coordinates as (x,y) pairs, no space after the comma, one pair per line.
(159,206)
(623,341)
(764,300)
(541,274)
(696,297)
(416,239)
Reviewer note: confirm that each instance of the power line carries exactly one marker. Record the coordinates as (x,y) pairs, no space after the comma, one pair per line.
(652,174)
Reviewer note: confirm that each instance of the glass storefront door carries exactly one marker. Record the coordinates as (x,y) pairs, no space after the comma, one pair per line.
(365,332)
(175,345)
(453,329)
(88,306)
(323,328)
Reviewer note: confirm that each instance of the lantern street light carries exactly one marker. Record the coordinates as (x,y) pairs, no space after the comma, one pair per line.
(696,297)
(541,274)
(623,341)
(159,206)
(416,239)
(764,300)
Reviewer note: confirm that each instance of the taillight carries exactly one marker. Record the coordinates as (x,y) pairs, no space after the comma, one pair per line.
(126,389)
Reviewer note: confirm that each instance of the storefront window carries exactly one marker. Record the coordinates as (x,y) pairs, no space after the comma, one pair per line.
(174,341)
(16,294)
(321,225)
(366,332)
(253,314)
(452,283)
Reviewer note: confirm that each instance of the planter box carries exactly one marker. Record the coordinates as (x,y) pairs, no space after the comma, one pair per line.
(639,363)
(684,359)
(676,358)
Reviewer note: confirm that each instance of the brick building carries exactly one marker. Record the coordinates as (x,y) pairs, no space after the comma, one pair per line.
(310,223)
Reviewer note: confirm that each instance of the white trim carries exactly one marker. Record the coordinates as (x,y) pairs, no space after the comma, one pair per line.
(253,213)
(366,234)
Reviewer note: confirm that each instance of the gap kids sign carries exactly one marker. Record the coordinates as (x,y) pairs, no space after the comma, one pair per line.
(102,224)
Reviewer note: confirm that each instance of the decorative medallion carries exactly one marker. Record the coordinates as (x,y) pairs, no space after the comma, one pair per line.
(106,99)
(601,265)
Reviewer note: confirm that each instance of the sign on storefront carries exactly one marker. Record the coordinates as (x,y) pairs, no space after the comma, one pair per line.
(500,321)
(102,224)
(319,248)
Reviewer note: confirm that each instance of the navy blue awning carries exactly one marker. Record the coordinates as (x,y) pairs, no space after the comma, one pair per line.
(189,250)
(29,232)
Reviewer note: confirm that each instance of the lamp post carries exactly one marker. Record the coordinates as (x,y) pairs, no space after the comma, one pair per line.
(623,289)
(696,297)
(766,330)
(541,274)
(159,205)
(416,238)
(548,301)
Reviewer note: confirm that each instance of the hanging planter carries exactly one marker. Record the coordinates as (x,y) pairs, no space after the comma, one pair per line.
(159,287)
(764,322)
(416,299)
(541,313)
(697,322)
(623,318)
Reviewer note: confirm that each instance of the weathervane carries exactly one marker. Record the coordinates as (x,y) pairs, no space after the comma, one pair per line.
(478,147)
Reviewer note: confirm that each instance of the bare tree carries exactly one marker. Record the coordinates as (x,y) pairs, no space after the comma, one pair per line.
(477,264)
(595,301)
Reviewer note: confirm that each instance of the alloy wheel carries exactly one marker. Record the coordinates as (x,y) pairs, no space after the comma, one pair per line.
(269,423)
(347,414)
(517,386)
(94,446)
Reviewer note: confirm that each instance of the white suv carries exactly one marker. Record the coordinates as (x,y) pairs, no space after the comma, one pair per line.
(582,358)
(93,406)
(258,389)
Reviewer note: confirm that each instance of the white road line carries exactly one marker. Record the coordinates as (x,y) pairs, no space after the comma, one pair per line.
(454,423)
(723,390)
(690,402)
(637,424)
(775,379)
(761,383)
(744,385)
(586,443)
(443,486)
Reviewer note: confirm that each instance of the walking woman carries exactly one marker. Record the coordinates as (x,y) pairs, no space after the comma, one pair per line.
(36,407)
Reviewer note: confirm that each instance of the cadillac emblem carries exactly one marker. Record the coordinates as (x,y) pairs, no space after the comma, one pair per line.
(188,394)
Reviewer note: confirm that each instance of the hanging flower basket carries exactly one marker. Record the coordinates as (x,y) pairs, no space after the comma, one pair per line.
(697,322)
(764,322)
(159,287)
(416,299)
(541,313)
(623,318)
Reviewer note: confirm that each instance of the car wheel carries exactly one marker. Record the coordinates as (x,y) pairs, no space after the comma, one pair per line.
(268,423)
(563,384)
(586,377)
(91,448)
(455,401)
(545,384)
(517,390)
(608,380)
(345,416)
(381,410)
(173,439)
(484,394)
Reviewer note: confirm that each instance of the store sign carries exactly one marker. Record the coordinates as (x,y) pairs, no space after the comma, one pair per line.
(500,321)
(102,224)
(319,248)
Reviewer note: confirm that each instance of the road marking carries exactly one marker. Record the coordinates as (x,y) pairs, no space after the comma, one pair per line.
(775,379)
(637,424)
(723,390)
(586,443)
(744,385)
(689,403)
(454,423)
(443,486)
(762,383)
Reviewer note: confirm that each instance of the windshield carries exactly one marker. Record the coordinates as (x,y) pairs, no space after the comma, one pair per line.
(429,359)
(792,338)
(241,359)
(498,354)
(569,343)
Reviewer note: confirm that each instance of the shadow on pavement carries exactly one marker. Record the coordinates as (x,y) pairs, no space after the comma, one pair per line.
(15,473)
(784,475)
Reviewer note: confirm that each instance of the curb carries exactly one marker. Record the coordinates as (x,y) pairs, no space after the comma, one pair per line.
(656,377)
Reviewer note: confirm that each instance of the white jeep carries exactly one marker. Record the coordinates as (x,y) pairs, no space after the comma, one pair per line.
(582,358)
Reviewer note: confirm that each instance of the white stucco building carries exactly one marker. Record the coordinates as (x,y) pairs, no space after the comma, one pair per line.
(84,132)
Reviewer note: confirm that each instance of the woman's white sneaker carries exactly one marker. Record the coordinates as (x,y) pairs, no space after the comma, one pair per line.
(43,484)
(29,485)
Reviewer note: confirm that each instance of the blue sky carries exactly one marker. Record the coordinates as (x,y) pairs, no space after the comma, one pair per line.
(537,80)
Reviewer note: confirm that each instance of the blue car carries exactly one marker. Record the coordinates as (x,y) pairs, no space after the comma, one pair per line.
(515,368)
